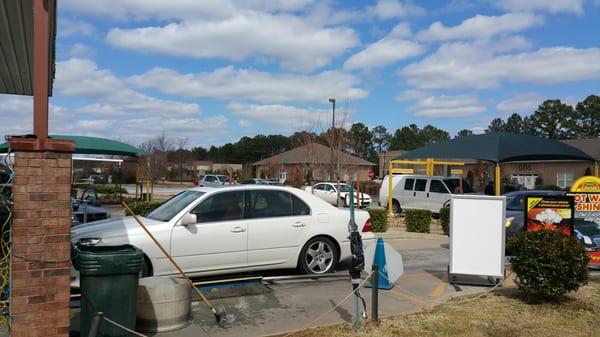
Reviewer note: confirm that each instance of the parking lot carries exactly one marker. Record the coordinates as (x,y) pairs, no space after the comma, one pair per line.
(281,306)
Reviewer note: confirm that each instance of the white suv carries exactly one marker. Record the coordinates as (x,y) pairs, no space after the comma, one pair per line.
(420,192)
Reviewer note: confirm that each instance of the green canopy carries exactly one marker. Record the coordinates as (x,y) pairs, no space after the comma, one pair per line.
(93,145)
(498,148)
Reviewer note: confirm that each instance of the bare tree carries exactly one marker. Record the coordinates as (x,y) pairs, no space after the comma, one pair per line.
(153,163)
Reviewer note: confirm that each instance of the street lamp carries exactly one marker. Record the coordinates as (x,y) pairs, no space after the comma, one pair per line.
(332,101)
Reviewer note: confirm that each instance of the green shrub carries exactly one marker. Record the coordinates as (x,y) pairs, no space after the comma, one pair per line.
(418,220)
(142,207)
(548,264)
(445,219)
(378,219)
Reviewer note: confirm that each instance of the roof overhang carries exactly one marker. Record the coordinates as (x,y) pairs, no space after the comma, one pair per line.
(16,46)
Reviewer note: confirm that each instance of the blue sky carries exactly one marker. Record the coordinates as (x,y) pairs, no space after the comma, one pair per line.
(212,71)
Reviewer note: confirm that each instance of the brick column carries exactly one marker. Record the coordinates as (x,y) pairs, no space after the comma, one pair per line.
(40,269)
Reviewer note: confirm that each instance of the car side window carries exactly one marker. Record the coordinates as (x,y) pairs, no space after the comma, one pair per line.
(224,206)
(329,188)
(210,179)
(409,184)
(437,186)
(299,207)
(420,185)
(319,187)
(268,204)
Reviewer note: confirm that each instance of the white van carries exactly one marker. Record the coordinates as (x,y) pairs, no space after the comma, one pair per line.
(420,191)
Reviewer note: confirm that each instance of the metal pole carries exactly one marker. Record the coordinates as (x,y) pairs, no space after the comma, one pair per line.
(497,179)
(375,293)
(355,281)
(332,100)
(95,325)
(390,206)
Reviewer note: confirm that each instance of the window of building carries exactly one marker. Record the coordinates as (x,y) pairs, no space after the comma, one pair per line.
(564,179)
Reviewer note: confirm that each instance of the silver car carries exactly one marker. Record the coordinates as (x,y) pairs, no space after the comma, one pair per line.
(212,180)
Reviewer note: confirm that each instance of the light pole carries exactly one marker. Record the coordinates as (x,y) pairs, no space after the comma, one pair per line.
(332,101)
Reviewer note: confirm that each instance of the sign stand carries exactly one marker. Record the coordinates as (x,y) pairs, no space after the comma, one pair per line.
(477,240)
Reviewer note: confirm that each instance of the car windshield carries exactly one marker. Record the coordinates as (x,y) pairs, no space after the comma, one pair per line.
(345,188)
(454,186)
(222,178)
(171,207)
(514,202)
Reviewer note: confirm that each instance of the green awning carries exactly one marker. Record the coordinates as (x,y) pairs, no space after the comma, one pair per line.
(93,145)
(498,148)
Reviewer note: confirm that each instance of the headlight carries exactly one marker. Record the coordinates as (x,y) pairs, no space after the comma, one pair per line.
(89,241)
(509,221)
(587,240)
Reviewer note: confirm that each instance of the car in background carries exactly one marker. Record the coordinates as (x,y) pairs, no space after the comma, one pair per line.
(410,191)
(241,228)
(588,232)
(257,181)
(87,208)
(212,180)
(515,208)
(328,192)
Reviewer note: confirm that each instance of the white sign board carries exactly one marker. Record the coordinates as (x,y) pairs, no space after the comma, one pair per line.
(477,235)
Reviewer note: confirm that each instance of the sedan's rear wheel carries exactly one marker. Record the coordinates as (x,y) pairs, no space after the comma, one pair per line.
(318,256)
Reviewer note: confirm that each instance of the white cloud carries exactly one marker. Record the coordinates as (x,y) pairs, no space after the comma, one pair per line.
(481,27)
(68,27)
(245,123)
(283,116)
(550,6)
(442,106)
(79,50)
(140,10)
(389,9)
(388,50)
(520,103)
(82,78)
(466,65)
(247,84)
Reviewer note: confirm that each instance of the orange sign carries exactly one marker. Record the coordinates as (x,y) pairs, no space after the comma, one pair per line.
(586,184)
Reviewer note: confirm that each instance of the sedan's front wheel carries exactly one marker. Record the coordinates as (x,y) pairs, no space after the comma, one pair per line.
(318,256)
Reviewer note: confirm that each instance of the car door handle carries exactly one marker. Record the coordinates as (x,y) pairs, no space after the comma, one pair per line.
(238,229)
(299,224)
(427,194)
(414,194)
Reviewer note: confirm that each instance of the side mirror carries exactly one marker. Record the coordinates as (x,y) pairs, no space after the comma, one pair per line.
(188,219)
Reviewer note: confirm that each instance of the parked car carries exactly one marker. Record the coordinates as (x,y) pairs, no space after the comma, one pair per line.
(515,209)
(421,192)
(257,181)
(212,180)
(328,192)
(254,181)
(238,229)
(87,207)
(588,232)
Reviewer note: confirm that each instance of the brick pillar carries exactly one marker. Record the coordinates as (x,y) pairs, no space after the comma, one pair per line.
(40,269)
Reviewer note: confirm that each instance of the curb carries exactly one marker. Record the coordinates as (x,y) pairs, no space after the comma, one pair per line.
(408,235)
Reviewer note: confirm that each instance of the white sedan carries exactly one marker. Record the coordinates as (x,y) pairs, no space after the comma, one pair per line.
(328,192)
(240,228)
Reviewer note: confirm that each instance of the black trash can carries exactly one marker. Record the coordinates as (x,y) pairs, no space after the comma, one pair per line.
(109,278)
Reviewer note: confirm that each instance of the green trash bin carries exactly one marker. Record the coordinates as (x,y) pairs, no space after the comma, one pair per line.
(109,278)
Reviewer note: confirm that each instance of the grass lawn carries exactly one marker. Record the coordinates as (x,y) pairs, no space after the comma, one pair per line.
(498,314)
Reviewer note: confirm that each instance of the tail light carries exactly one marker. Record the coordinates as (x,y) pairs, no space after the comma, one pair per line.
(368,226)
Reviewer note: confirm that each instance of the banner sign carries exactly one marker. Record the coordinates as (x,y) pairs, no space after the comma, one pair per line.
(586,193)
(549,212)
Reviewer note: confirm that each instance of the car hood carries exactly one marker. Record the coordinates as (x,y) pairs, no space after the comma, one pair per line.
(110,228)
